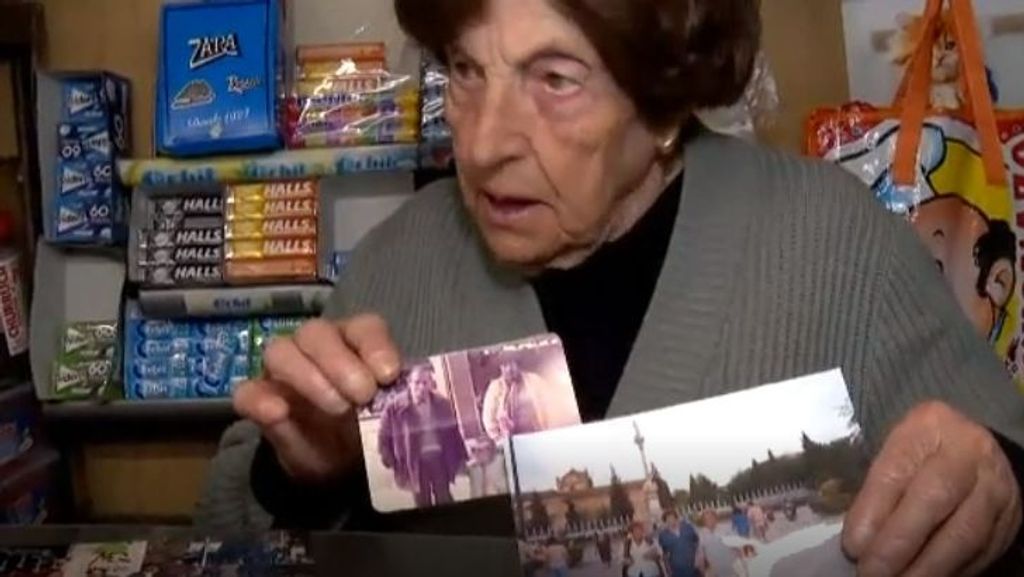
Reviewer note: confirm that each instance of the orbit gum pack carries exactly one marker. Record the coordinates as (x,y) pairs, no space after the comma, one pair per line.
(89,203)
(220,71)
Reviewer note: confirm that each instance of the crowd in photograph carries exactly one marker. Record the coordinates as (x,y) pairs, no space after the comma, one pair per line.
(711,543)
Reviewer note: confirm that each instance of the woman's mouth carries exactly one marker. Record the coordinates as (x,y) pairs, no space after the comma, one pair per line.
(508,209)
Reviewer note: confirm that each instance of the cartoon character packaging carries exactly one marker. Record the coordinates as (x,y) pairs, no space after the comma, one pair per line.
(961,187)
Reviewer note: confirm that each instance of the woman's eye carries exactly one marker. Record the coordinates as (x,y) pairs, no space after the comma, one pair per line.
(463,72)
(559,83)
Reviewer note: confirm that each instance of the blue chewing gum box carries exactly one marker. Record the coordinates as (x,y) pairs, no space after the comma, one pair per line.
(86,202)
(220,71)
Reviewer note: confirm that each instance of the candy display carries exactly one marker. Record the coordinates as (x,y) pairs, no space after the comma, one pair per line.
(219,76)
(183,359)
(271,232)
(84,365)
(155,172)
(194,358)
(89,203)
(182,242)
(344,95)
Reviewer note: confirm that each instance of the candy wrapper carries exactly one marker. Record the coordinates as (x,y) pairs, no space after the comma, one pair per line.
(85,365)
(344,95)
(182,242)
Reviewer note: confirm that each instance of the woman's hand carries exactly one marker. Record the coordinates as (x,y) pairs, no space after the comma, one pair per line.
(941,499)
(311,385)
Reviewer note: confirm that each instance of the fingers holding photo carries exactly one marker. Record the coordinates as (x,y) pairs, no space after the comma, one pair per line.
(939,499)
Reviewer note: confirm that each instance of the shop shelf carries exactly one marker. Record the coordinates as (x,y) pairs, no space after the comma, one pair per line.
(279,165)
(234,301)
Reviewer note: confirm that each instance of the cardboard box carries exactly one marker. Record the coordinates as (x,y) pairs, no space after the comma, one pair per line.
(83,129)
(220,72)
(69,287)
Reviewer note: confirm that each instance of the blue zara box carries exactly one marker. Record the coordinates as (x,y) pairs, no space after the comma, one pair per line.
(220,71)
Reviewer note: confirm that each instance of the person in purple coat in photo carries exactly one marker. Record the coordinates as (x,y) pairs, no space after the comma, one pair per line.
(419,440)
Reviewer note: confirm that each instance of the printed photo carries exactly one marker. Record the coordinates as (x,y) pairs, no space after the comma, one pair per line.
(121,559)
(437,436)
(277,554)
(752,484)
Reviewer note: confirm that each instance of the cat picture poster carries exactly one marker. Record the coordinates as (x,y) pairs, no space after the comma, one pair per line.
(878,35)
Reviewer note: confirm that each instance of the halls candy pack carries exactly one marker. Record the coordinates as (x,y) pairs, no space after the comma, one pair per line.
(220,71)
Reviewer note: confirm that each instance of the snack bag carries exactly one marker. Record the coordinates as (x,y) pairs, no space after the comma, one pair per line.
(956,174)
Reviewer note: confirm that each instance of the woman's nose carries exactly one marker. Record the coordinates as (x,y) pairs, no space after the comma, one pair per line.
(497,130)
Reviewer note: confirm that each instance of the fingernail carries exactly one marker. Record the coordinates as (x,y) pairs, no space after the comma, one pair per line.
(359,380)
(334,401)
(385,365)
(856,540)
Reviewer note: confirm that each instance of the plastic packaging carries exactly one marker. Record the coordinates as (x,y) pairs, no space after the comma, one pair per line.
(84,366)
(183,359)
(182,244)
(755,111)
(344,95)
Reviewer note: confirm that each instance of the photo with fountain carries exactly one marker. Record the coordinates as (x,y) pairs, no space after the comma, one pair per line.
(750,484)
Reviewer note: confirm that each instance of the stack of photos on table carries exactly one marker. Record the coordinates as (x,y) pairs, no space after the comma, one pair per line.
(437,435)
(752,484)
(277,554)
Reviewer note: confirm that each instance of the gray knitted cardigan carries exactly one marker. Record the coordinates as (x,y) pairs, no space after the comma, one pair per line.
(778,267)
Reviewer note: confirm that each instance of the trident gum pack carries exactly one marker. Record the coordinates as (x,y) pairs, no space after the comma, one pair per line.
(219,74)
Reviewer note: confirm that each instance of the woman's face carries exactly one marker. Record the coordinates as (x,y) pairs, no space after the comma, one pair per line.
(553,158)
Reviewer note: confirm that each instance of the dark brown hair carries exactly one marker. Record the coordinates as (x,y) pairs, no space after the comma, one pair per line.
(669,56)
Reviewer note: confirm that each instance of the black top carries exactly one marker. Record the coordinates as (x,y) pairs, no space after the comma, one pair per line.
(598,307)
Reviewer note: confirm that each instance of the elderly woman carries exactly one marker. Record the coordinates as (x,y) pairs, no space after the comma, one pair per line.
(674,264)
